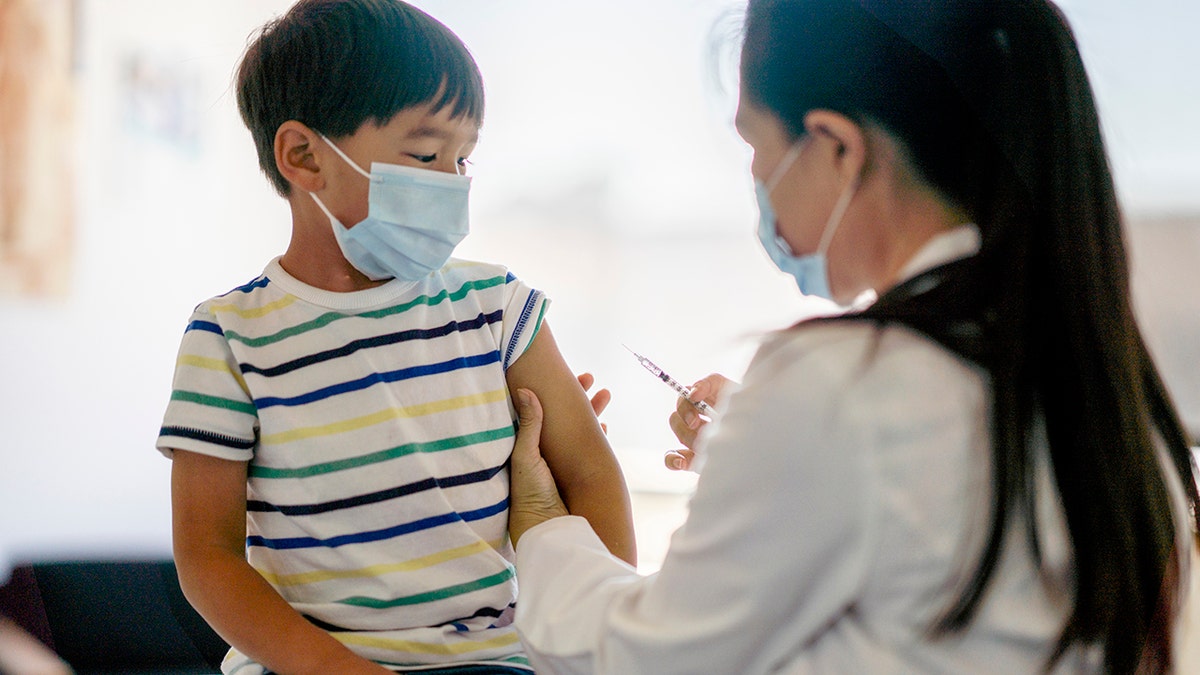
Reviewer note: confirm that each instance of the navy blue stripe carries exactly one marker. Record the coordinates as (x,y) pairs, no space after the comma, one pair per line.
(207,437)
(260,282)
(379,341)
(205,325)
(378,535)
(522,321)
(487,511)
(326,626)
(380,378)
(492,612)
(376,497)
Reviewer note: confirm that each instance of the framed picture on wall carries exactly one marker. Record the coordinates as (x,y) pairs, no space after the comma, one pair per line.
(36,145)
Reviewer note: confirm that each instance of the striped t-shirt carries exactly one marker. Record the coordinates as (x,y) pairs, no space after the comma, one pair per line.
(377,425)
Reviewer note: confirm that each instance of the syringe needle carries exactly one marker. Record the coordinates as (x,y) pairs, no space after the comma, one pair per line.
(684,392)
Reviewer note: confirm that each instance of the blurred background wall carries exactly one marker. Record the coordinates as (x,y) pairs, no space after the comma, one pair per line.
(608,175)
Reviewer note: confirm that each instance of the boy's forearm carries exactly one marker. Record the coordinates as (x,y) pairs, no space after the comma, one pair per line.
(249,614)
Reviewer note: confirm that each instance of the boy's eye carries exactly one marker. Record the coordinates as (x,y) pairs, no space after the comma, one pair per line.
(464,162)
(424,159)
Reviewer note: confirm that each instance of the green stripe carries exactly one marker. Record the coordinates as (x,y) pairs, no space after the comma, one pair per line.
(433,596)
(330,317)
(538,325)
(214,401)
(383,455)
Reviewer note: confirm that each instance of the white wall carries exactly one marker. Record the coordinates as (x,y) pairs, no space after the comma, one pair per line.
(608,175)
(86,376)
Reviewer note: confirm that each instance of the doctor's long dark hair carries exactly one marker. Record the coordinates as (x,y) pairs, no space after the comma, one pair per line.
(991,102)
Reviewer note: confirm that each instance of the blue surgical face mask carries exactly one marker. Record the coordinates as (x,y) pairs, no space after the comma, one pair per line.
(810,271)
(415,218)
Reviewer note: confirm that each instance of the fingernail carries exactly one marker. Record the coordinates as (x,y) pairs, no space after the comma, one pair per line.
(677,462)
(523,396)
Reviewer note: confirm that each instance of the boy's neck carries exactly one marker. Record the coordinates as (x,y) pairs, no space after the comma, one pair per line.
(337,276)
(314,257)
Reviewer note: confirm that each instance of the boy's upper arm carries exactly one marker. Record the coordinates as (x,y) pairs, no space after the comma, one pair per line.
(575,447)
(570,428)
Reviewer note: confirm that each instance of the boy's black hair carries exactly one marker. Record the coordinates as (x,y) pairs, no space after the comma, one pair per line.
(336,64)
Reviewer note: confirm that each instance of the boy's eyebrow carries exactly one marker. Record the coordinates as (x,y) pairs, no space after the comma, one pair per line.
(439,134)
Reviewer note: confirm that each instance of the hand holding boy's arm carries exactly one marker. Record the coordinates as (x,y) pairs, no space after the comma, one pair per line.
(208,498)
(575,447)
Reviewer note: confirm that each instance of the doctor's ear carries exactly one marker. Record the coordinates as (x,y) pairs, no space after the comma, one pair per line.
(296,156)
(846,139)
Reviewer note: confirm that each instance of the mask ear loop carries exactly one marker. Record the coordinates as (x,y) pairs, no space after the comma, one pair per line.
(777,175)
(343,155)
(835,218)
(785,164)
(333,221)
(328,213)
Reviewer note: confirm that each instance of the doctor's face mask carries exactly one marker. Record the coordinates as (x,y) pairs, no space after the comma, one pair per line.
(810,271)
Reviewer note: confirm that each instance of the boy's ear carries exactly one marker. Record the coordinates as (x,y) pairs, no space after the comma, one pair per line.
(296,157)
(848,140)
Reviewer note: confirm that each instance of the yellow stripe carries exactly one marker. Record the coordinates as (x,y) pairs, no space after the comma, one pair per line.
(385,415)
(425,647)
(213,364)
(378,570)
(254,313)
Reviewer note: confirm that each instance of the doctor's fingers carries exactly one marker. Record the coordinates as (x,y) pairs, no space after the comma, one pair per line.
(586,380)
(531,485)
(678,460)
(684,429)
(708,389)
(599,400)
(690,414)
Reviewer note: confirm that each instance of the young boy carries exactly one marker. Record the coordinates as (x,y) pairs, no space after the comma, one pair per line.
(340,426)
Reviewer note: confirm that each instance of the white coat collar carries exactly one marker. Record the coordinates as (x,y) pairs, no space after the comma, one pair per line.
(961,241)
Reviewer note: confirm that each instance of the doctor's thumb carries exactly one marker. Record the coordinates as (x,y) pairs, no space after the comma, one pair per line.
(529,420)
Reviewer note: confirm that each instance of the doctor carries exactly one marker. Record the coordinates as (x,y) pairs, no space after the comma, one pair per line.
(981,472)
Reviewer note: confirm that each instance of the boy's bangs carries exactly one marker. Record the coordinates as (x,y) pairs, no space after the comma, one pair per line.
(433,69)
(463,92)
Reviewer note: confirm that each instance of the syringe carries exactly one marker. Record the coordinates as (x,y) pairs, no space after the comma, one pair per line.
(683,391)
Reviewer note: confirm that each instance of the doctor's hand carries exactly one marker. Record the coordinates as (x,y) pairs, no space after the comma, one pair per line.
(686,421)
(533,496)
(600,401)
